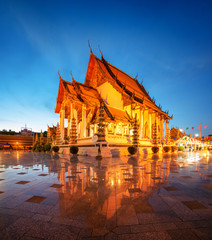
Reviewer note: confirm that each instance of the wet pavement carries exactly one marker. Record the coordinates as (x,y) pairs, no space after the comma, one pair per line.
(53,196)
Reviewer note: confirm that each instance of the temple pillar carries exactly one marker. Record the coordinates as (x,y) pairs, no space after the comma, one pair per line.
(76,118)
(162,127)
(150,125)
(167,126)
(83,123)
(69,126)
(141,122)
(95,128)
(62,118)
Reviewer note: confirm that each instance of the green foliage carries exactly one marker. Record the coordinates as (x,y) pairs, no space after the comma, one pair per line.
(45,134)
(37,147)
(55,149)
(47,147)
(132,150)
(5,132)
(180,148)
(174,148)
(155,149)
(166,149)
(74,149)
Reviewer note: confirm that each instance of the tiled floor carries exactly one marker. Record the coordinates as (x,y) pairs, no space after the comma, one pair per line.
(46,196)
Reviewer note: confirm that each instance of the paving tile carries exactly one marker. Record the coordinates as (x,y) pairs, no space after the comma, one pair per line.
(186,176)
(56,185)
(209,186)
(1,192)
(194,205)
(35,169)
(133,236)
(36,199)
(111,236)
(171,188)
(43,175)
(22,173)
(2,171)
(2,179)
(142,207)
(142,228)
(128,211)
(203,233)
(182,234)
(99,231)
(122,229)
(22,182)
(164,226)
(163,235)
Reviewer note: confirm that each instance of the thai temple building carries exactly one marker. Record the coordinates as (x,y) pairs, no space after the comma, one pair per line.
(110,108)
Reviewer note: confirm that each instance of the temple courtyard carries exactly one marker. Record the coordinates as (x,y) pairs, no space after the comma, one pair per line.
(55,196)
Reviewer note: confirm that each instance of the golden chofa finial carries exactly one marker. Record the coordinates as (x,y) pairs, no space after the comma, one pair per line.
(100,51)
(59,74)
(90,46)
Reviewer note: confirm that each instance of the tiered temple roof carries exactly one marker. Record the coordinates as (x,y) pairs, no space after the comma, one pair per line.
(98,72)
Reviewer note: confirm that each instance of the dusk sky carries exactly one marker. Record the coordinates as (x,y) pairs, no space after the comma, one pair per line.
(167,43)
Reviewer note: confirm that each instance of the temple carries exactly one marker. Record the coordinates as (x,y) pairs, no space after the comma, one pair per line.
(110,107)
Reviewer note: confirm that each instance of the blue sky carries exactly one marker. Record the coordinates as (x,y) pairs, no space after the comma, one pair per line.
(168,43)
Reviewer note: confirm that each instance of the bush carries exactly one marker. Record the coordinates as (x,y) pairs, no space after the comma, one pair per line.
(174,148)
(132,150)
(55,149)
(74,149)
(180,148)
(155,149)
(166,149)
(47,147)
(37,147)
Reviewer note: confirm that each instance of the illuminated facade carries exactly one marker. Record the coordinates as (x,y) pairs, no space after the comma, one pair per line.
(123,99)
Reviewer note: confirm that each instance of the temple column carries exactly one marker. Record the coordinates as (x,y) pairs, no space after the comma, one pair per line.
(76,117)
(95,128)
(69,125)
(83,123)
(162,127)
(62,118)
(167,126)
(150,125)
(141,122)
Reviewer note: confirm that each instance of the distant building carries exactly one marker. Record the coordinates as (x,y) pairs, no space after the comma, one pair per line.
(175,134)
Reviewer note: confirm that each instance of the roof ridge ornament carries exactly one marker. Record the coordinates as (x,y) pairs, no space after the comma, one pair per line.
(90,46)
(136,77)
(59,75)
(100,51)
(73,80)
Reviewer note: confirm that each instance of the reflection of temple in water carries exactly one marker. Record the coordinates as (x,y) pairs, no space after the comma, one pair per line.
(100,190)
